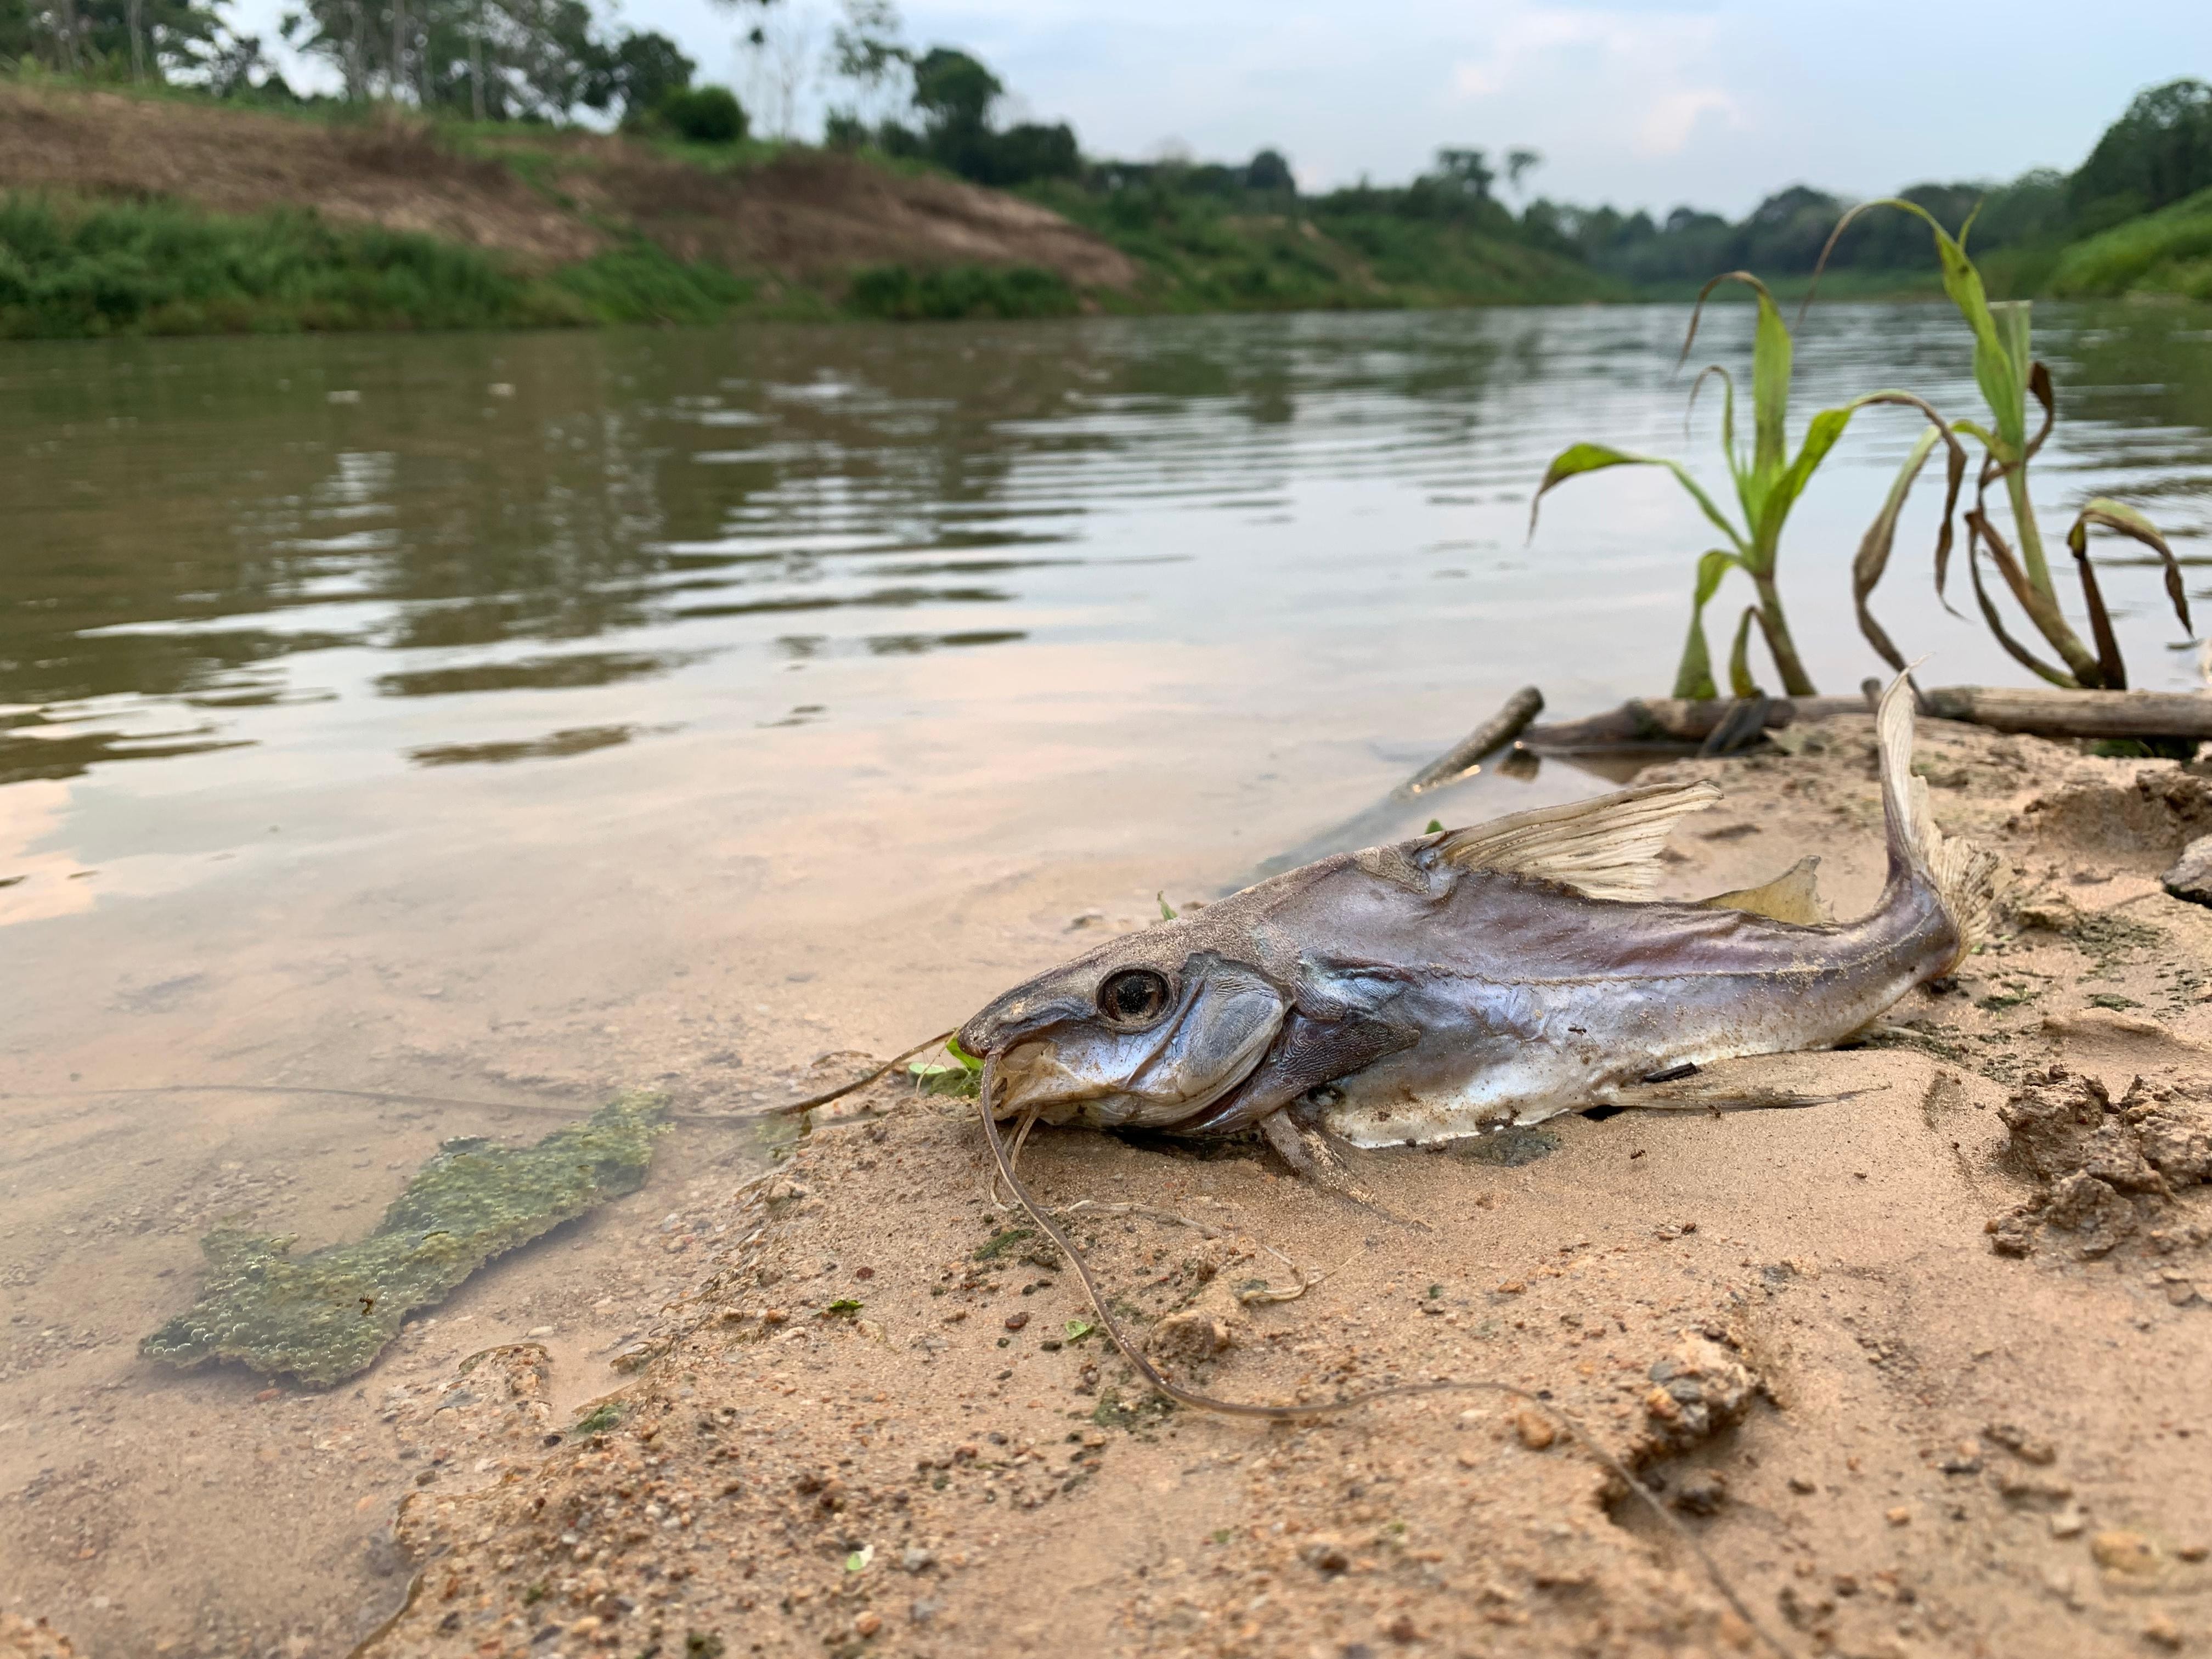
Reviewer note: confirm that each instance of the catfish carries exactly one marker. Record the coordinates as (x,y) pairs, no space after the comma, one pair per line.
(1475,979)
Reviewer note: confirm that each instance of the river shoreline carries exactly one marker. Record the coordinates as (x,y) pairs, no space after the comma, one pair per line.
(871,1422)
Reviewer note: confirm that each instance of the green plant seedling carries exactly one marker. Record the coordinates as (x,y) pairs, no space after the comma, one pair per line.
(2008,374)
(1768,482)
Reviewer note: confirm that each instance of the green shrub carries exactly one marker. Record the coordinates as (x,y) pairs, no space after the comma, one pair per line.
(705,115)
(641,284)
(2169,252)
(156,267)
(958,291)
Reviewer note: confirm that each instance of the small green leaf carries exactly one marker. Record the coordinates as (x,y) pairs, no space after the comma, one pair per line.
(1435,826)
(859,1559)
(961,1054)
(1167,910)
(934,1078)
(1579,458)
(1741,682)
(843,1308)
(1694,679)
(1076,1330)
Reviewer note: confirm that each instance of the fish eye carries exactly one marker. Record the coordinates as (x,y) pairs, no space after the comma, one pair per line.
(1134,997)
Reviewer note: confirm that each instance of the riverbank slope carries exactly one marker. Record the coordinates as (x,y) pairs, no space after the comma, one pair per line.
(164,214)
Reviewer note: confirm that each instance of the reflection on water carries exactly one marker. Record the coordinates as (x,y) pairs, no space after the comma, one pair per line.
(408,738)
(207,538)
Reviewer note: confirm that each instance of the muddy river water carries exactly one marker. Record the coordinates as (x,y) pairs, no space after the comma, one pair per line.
(406,739)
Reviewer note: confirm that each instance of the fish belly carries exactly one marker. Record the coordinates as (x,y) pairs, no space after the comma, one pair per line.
(1491,1056)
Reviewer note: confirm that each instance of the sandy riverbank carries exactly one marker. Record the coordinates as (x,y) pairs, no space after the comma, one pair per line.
(866,1425)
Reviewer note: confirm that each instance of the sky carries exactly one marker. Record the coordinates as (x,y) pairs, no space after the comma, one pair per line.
(1639,105)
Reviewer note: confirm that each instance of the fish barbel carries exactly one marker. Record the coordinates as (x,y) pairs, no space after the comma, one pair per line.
(1477,978)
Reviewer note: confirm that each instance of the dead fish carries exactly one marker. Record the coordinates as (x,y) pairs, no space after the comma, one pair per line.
(1475,979)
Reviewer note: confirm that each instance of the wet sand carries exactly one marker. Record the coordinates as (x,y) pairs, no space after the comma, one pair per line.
(1939,1447)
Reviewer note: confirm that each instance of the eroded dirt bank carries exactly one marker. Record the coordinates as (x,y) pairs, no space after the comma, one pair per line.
(803,216)
(1925,1369)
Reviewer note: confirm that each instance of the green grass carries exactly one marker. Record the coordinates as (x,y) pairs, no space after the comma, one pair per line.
(901,295)
(70,267)
(2169,252)
(1200,253)
(639,282)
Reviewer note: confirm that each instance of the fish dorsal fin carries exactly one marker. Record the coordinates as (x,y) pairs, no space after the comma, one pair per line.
(1793,895)
(1607,848)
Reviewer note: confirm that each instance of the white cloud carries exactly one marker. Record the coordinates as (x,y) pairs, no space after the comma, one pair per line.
(1666,130)
(1645,81)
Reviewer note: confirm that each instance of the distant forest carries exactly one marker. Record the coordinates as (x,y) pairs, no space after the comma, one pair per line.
(555,62)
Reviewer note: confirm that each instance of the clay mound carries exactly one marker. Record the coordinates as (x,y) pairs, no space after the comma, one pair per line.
(804,216)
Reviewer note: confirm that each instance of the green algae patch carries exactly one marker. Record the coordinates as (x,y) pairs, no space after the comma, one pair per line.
(327,1315)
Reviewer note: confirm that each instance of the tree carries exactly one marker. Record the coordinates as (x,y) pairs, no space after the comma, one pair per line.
(157,40)
(955,91)
(2157,153)
(1270,173)
(644,70)
(866,49)
(1518,164)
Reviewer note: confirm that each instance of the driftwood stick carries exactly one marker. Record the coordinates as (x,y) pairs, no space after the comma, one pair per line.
(1673,721)
(1463,756)
(2051,713)
(2039,711)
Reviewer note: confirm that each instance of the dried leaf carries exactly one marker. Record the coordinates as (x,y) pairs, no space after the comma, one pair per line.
(2115,516)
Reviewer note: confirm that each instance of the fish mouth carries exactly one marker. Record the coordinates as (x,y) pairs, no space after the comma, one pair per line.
(1035,1080)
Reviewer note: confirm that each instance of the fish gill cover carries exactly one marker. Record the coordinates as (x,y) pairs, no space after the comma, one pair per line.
(328,1314)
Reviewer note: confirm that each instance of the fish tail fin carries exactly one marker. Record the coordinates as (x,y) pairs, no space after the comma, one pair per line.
(1962,875)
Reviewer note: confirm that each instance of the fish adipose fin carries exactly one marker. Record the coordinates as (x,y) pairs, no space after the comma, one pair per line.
(1793,895)
(1963,875)
(1608,848)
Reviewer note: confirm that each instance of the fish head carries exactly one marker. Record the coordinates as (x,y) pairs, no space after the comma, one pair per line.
(1143,1032)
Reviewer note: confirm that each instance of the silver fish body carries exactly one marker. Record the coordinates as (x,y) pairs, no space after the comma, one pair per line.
(1470,980)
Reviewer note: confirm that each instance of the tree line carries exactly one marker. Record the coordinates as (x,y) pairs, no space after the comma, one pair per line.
(495,60)
(552,60)
(2158,152)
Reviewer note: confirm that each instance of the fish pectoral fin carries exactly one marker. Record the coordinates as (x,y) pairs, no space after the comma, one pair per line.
(1315,1155)
(1701,1094)
(1793,895)
(1608,848)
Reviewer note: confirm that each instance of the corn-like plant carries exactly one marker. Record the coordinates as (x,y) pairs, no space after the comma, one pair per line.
(1768,482)
(2008,375)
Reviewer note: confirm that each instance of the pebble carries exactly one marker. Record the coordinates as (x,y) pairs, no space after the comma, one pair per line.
(2124,1551)
(868,1623)
(539,1330)
(2020,1444)
(2067,1523)
(1016,1320)
(2161,1632)
(1534,1428)
(1702,1491)
(1326,1553)
(1803,1487)
(1899,1517)
(2191,877)
(917,1559)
